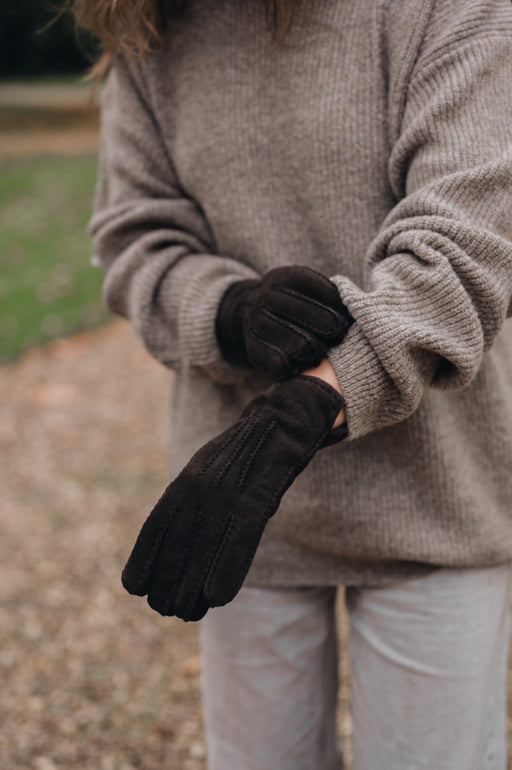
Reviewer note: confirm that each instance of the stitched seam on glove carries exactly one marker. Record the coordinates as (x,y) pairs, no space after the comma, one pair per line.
(185,561)
(337,315)
(314,330)
(155,550)
(284,355)
(250,460)
(222,448)
(211,561)
(249,561)
(223,544)
(253,423)
(310,338)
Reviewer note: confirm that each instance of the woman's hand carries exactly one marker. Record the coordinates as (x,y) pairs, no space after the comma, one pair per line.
(283,322)
(197,545)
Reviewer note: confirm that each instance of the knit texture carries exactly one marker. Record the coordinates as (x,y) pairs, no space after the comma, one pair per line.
(377,149)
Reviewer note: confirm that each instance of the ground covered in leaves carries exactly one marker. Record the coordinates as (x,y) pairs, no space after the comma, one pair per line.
(91,677)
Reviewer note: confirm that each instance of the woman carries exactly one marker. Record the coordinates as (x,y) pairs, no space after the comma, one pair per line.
(332,215)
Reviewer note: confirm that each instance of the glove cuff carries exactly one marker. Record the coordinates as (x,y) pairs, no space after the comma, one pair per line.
(335,435)
(333,400)
(319,401)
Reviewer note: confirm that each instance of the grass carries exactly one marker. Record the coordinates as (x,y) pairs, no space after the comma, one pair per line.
(47,287)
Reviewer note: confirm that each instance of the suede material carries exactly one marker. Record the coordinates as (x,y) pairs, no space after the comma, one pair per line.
(196,546)
(282,324)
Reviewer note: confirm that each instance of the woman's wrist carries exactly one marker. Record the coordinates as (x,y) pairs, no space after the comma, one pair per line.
(324,371)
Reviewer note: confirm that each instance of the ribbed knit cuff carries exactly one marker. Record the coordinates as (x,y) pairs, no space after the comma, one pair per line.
(363,381)
(196,285)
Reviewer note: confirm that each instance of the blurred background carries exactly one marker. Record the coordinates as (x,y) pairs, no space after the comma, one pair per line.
(91,677)
(48,139)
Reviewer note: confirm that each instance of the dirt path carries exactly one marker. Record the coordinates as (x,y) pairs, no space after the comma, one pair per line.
(91,677)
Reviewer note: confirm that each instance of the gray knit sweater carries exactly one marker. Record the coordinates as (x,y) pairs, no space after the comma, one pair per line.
(377,148)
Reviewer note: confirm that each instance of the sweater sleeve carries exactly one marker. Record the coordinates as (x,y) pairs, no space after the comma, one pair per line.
(152,240)
(438,276)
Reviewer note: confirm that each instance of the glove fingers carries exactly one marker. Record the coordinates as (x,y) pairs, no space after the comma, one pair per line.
(199,611)
(190,598)
(233,560)
(176,553)
(292,342)
(305,281)
(138,571)
(269,358)
(311,314)
(309,298)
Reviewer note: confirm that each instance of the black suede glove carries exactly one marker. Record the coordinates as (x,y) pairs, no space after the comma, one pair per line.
(196,547)
(282,324)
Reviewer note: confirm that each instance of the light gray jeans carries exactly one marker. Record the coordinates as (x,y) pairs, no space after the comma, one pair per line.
(429,671)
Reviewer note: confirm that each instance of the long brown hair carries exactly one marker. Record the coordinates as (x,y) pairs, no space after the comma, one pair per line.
(136,26)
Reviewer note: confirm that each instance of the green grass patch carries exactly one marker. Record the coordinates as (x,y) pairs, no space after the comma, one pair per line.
(47,286)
